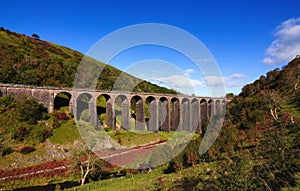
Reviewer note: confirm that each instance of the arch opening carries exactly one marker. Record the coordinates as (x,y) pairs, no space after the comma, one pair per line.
(210,108)
(121,113)
(203,116)
(163,113)
(151,114)
(86,108)
(218,107)
(185,114)
(195,116)
(104,111)
(175,114)
(224,105)
(62,100)
(137,120)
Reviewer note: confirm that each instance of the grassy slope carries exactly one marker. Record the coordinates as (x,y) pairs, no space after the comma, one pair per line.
(152,181)
(25,60)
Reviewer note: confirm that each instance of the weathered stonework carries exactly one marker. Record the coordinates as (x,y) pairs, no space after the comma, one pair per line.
(188,112)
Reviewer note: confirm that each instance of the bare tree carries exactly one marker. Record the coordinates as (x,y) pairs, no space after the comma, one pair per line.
(85,162)
(273,99)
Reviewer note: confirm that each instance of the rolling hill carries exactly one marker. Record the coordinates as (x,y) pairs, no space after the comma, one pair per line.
(31,61)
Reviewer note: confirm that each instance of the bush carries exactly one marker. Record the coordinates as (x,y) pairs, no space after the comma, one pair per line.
(191,158)
(47,134)
(175,165)
(62,116)
(85,115)
(7,101)
(45,116)
(6,151)
(102,118)
(27,149)
(29,110)
(21,133)
(41,134)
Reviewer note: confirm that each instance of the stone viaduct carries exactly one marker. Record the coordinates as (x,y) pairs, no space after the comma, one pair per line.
(150,112)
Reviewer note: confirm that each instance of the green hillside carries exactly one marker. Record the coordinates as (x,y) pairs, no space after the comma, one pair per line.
(257,148)
(285,81)
(31,61)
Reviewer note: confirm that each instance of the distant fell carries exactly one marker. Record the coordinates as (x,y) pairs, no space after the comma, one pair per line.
(31,61)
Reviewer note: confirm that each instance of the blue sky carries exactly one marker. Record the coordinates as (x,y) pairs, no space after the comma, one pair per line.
(246,38)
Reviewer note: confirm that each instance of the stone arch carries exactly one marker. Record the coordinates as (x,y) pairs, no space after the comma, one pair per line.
(203,116)
(164,114)
(218,106)
(210,108)
(224,105)
(138,112)
(62,99)
(104,107)
(86,108)
(175,114)
(195,113)
(151,113)
(185,114)
(121,112)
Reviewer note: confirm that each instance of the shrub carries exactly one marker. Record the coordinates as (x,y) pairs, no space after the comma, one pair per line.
(40,133)
(29,110)
(7,101)
(27,149)
(62,116)
(174,166)
(102,118)
(45,116)
(6,151)
(47,133)
(191,158)
(85,115)
(21,133)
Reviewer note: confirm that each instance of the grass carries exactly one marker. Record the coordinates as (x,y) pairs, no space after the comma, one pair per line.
(155,180)
(293,109)
(66,133)
(135,138)
(126,138)
(21,160)
(36,182)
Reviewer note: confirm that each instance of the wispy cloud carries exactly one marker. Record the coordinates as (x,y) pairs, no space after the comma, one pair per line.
(287,43)
(188,72)
(180,81)
(229,81)
(235,76)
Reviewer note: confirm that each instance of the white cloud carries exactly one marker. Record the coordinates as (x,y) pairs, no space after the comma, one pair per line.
(229,81)
(287,43)
(236,76)
(188,72)
(184,81)
(179,81)
(215,81)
